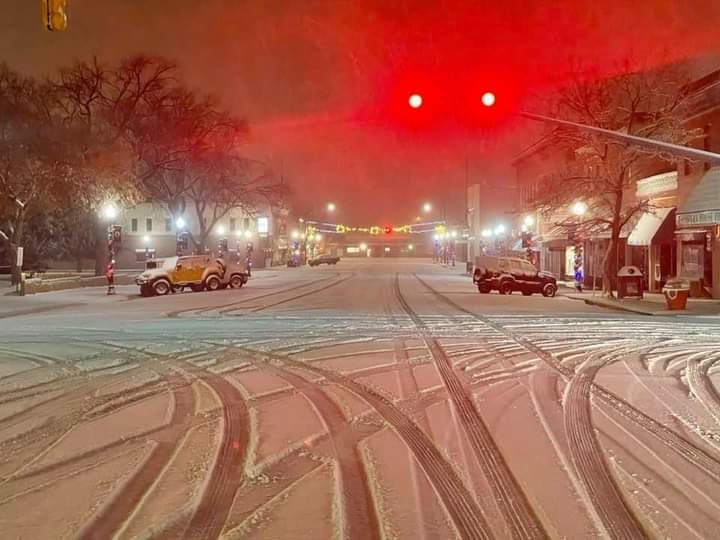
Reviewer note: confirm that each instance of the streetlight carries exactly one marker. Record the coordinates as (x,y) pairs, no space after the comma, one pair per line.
(579,208)
(453,234)
(146,239)
(415,101)
(330,207)
(220,230)
(109,211)
(411,247)
(180,223)
(363,247)
(248,234)
(295,234)
(500,229)
(318,237)
(427,207)
(486,233)
(529,221)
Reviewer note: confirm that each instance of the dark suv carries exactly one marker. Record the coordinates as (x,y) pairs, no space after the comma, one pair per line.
(508,274)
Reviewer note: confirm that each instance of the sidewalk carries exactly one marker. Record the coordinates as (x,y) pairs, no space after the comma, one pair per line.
(651,304)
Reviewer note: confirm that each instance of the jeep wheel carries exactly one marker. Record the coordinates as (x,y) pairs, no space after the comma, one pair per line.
(197,288)
(484,288)
(161,287)
(549,290)
(212,283)
(505,288)
(236,281)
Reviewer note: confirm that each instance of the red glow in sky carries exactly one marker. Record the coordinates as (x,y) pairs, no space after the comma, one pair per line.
(325,85)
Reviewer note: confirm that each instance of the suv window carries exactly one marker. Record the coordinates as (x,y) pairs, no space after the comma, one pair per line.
(503,264)
(515,266)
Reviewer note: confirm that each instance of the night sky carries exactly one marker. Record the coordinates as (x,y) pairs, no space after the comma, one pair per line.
(324,84)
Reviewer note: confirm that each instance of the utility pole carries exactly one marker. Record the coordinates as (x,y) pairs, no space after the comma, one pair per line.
(670,148)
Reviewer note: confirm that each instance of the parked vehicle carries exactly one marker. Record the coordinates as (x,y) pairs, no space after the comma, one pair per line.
(509,274)
(324,258)
(198,272)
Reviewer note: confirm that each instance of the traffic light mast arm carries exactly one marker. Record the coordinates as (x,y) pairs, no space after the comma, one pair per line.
(675,149)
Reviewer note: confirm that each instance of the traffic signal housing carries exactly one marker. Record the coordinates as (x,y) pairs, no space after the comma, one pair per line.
(54,14)
(116,234)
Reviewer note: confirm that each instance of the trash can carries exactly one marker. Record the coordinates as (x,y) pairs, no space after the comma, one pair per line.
(676,293)
(630,282)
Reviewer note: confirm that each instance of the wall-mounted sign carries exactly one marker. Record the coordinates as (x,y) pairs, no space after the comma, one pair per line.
(708,217)
(659,183)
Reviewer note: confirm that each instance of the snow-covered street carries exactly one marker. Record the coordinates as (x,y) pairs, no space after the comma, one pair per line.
(372,399)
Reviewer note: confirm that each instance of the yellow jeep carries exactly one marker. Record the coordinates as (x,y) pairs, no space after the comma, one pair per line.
(195,271)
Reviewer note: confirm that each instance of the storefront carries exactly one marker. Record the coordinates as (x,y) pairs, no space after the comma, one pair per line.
(553,247)
(650,247)
(698,236)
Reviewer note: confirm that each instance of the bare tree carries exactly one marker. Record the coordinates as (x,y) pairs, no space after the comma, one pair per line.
(222,182)
(602,172)
(34,154)
(99,104)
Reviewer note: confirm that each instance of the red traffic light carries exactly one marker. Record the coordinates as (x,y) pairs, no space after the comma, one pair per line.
(388,229)
(415,101)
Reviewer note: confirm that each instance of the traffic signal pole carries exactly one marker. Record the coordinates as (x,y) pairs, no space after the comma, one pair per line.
(670,148)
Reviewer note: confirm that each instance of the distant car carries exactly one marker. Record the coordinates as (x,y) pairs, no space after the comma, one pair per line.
(509,274)
(324,258)
(293,262)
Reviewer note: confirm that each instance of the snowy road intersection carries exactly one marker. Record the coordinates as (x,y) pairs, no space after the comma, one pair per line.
(370,400)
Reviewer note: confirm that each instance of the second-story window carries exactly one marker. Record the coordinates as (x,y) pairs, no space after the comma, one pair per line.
(133,224)
(246,223)
(232,224)
(168,225)
(148,224)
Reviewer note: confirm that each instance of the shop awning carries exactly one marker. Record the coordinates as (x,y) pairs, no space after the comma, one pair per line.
(647,227)
(702,207)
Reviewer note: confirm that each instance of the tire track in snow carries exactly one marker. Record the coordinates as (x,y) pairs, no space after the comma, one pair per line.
(110,518)
(212,511)
(514,506)
(358,511)
(298,296)
(221,307)
(701,385)
(454,495)
(671,439)
(587,456)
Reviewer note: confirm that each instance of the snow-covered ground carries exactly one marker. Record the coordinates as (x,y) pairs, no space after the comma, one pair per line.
(375,399)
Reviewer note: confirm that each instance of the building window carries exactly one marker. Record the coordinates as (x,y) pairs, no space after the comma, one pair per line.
(133,224)
(148,224)
(246,223)
(168,225)
(233,225)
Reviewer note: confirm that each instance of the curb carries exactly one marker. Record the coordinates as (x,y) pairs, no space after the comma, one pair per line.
(609,304)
